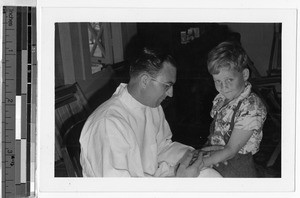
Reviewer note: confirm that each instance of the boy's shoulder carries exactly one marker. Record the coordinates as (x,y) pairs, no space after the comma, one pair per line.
(255,100)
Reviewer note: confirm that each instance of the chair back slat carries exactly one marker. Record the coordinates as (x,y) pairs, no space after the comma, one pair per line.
(71,107)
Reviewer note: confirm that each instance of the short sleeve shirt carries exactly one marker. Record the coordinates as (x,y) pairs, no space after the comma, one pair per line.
(250,116)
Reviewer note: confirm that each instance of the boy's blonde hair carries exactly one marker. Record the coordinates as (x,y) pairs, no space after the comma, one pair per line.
(229,55)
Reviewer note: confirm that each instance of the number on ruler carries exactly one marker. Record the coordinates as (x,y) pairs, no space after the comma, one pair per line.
(9,100)
(12,163)
(9,151)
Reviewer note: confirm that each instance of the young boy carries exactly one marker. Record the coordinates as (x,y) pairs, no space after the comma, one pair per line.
(238,113)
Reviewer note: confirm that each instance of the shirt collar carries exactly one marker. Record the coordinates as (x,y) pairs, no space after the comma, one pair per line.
(220,99)
(127,97)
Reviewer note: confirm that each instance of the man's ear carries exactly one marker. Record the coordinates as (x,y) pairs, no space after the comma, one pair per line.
(144,79)
(246,74)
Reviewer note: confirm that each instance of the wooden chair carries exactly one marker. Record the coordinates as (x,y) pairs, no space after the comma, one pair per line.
(71,111)
(265,88)
(71,146)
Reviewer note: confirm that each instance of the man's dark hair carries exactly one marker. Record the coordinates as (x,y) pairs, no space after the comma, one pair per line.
(150,60)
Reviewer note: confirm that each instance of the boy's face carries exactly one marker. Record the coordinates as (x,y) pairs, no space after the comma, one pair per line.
(230,83)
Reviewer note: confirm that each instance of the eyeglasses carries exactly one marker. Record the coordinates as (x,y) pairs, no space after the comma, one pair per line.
(167,85)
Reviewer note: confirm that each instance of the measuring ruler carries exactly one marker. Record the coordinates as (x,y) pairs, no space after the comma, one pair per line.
(18,101)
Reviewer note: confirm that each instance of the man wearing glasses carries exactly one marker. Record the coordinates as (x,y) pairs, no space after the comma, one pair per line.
(128,135)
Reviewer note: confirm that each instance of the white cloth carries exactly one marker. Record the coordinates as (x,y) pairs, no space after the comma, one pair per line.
(209,172)
(124,138)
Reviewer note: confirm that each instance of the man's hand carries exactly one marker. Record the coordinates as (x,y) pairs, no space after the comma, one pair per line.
(186,168)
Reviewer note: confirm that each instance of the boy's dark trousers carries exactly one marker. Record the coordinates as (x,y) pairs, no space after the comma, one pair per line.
(242,165)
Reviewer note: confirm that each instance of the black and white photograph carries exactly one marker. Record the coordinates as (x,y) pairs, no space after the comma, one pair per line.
(94,59)
(166,100)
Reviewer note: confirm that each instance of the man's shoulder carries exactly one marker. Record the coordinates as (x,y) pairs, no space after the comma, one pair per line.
(112,106)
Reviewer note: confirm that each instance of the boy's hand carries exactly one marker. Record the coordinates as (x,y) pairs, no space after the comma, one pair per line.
(225,163)
(211,149)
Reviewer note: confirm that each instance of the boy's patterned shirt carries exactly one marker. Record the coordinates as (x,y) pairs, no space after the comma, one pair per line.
(250,116)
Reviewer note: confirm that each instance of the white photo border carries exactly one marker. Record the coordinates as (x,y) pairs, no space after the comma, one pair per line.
(47,183)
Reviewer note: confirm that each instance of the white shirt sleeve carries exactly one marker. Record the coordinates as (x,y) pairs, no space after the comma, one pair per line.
(111,150)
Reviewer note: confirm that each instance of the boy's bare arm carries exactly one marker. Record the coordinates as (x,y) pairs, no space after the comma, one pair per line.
(237,140)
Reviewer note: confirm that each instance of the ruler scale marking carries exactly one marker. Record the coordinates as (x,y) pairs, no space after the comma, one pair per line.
(9,155)
(19,93)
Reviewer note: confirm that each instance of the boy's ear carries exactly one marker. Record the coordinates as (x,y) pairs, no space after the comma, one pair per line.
(246,74)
